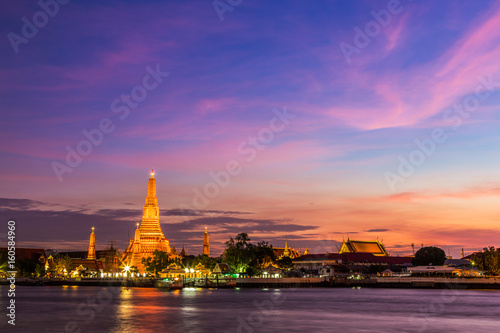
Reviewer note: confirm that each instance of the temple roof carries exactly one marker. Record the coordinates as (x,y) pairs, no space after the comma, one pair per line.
(373,247)
(92,265)
(347,257)
(280,252)
(28,253)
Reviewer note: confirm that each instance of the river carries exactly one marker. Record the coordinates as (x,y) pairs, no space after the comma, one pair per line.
(116,309)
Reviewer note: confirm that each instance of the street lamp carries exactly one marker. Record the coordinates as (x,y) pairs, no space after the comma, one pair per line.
(126,269)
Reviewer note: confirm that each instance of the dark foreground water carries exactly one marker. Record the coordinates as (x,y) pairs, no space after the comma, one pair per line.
(116,309)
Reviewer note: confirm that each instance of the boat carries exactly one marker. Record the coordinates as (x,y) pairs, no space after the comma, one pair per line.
(169,284)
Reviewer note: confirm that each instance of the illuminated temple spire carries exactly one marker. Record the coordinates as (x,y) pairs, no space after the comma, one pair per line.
(150,226)
(137,239)
(148,236)
(286,253)
(91,253)
(206,245)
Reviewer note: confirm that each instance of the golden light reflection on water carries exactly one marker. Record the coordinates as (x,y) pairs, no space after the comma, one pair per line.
(125,311)
(146,305)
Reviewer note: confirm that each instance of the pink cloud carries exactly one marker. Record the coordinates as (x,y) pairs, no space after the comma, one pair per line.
(407,97)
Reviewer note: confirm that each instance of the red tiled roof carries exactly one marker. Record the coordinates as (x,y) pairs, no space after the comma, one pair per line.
(279,251)
(93,265)
(358,257)
(27,253)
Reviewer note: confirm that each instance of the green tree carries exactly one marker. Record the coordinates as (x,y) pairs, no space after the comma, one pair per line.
(59,265)
(4,262)
(262,256)
(207,262)
(157,262)
(429,255)
(189,261)
(488,260)
(40,270)
(239,252)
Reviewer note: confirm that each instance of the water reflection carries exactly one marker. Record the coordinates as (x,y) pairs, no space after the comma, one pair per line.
(90,309)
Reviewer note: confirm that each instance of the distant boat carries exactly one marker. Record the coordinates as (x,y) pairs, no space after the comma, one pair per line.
(169,284)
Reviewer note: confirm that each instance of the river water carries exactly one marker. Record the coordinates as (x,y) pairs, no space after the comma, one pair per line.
(116,309)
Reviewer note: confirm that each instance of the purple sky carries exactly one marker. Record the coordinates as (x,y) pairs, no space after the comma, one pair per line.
(388,133)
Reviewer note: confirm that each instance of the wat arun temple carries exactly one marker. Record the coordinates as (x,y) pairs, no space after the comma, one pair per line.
(148,236)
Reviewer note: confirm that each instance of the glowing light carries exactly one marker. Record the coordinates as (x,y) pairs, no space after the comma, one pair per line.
(152,173)
(126,268)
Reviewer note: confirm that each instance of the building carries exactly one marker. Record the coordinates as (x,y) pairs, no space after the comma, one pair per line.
(91,251)
(175,271)
(433,271)
(172,271)
(38,256)
(110,258)
(174,251)
(326,271)
(317,261)
(271,272)
(148,236)
(374,247)
(206,244)
(285,252)
(86,268)
(183,252)
(349,262)
(222,269)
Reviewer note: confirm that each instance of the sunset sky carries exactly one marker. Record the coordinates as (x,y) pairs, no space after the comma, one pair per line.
(396,138)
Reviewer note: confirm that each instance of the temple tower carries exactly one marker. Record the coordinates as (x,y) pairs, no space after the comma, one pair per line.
(286,253)
(206,245)
(148,236)
(91,252)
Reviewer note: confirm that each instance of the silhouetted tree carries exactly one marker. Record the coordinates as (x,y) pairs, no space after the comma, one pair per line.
(26,267)
(488,260)
(206,261)
(238,253)
(157,262)
(429,255)
(262,255)
(245,257)
(285,263)
(189,261)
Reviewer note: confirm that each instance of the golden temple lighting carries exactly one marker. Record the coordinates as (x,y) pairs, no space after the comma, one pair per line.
(148,237)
